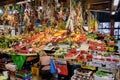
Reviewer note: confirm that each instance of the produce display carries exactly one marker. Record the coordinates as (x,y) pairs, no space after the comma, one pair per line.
(52,28)
(97,45)
(84,56)
(82,75)
(31,43)
(87,50)
(102,75)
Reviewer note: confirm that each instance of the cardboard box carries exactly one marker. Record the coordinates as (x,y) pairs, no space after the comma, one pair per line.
(35,71)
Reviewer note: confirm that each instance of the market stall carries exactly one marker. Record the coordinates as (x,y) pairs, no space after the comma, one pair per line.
(59,31)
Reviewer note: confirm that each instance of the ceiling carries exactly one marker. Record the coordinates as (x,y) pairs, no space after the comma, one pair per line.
(101,5)
(104,7)
(4,2)
(95,5)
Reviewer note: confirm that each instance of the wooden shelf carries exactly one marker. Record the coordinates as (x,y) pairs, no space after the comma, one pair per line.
(30,58)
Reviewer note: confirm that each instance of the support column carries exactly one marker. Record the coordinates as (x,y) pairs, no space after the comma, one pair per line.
(112,26)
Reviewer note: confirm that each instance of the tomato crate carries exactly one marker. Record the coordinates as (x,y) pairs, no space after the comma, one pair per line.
(59,56)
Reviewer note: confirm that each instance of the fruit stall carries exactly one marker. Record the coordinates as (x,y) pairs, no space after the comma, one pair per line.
(66,36)
(88,50)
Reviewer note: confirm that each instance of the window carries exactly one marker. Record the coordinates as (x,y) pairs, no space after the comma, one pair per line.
(106,25)
(105,28)
(117,30)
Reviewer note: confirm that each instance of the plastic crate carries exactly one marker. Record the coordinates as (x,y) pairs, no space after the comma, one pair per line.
(59,56)
(25,76)
(102,78)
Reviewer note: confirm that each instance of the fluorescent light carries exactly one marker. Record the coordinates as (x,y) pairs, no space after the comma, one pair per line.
(116,2)
(113,13)
(10,12)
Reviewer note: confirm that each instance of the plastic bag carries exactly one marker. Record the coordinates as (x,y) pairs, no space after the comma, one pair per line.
(61,66)
(53,69)
(19,61)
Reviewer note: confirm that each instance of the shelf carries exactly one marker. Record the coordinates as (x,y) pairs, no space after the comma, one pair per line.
(33,54)
(31,58)
(3,68)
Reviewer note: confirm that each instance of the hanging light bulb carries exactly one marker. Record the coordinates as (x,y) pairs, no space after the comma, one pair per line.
(40,7)
(113,13)
(10,12)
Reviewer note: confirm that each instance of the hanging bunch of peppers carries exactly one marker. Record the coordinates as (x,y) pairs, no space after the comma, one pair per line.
(93,22)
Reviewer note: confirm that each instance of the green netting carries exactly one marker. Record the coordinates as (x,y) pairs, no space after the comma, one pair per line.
(19,61)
